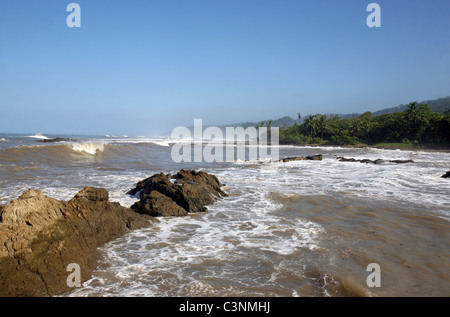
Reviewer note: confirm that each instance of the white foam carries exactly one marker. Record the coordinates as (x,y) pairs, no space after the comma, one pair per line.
(90,148)
(172,255)
(187,253)
(38,136)
(111,139)
(161,143)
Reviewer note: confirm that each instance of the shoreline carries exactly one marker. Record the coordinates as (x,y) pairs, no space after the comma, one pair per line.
(380,147)
(42,237)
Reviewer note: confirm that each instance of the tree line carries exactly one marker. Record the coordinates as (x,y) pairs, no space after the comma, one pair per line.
(416,125)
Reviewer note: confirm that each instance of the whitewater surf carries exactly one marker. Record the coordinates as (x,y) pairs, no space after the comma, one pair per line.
(298,228)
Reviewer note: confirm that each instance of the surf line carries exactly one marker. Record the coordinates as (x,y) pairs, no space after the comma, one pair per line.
(236,143)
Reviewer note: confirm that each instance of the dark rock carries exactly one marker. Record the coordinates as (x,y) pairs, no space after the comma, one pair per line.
(190,190)
(208,180)
(156,204)
(446,175)
(343,159)
(401,161)
(55,140)
(368,161)
(289,159)
(317,157)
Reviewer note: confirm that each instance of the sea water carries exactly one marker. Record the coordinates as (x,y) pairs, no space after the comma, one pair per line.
(301,228)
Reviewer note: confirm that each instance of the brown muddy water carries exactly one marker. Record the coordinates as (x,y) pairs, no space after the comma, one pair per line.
(410,246)
(302,228)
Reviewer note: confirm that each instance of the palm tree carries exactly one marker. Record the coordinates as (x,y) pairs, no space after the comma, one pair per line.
(311,124)
(413,111)
(321,124)
(419,114)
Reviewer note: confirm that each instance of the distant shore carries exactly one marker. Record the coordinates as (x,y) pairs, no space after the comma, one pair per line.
(384,146)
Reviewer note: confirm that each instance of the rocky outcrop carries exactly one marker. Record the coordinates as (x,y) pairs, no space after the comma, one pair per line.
(176,195)
(55,140)
(377,161)
(40,236)
(317,157)
(446,175)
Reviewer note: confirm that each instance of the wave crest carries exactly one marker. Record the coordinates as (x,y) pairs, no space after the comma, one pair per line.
(89,148)
(38,136)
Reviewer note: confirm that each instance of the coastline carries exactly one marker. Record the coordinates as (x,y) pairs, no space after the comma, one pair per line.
(380,146)
(42,238)
(298,188)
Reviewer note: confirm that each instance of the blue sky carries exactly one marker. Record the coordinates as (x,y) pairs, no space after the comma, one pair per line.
(144,67)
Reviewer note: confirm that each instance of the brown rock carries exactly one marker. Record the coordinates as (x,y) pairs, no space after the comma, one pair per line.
(317,157)
(40,236)
(190,190)
(156,204)
(93,194)
(377,161)
(210,181)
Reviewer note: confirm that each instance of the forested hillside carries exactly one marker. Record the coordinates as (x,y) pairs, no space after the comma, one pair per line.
(417,124)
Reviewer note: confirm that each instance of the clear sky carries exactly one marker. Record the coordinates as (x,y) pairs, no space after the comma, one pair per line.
(144,67)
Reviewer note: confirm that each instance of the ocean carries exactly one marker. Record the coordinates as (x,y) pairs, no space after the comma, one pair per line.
(299,228)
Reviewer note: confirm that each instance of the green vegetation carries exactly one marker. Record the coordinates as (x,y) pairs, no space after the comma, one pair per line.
(416,126)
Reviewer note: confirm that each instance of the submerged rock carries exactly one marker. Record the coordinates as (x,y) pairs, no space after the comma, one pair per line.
(401,161)
(55,140)
(40,236)
(377,161)
(176,195)
(317,157)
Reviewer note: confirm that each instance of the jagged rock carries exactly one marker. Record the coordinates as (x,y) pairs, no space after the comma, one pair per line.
(40,236)
(401,161)
(55,140)
(93,194)
(156,204)
(208,180)
(317,157)
(377,161)
(190,190)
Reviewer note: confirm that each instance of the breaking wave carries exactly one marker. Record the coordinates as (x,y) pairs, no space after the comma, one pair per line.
(38,136)
(89,148)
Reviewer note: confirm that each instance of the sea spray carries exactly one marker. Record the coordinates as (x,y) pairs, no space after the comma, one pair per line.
(90,148)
